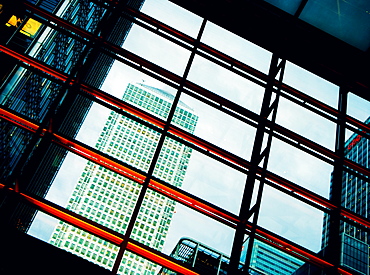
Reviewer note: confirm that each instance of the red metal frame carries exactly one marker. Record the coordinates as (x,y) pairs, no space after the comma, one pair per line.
(180,196)
(104,233)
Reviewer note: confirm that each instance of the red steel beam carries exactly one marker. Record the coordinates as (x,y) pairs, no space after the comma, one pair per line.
(104,233)
(186,38)
(182,134)
(157,257)
(134,58)
(180,197)
(273,240)
(190,138)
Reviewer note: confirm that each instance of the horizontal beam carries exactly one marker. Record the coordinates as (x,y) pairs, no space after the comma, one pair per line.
(170,191)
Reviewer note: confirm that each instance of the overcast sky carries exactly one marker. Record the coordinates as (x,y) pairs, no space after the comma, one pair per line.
(205,177)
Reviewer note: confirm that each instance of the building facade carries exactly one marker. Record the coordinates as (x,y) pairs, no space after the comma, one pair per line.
(355,242)
(109,199)
(268,260)
(44,100)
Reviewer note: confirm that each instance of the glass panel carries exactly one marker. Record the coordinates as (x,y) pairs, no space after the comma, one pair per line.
(162,223)
(346,20)
(94,192)
(358,107)
(221,129)
(202,176)
(300,167)
(124,139)
(173,15)
(236,47)
(156,49)
(117,134)
(226,84)
(291,219)
(74,240)
(133,264)
(311,84)
(306,123)
(357,147)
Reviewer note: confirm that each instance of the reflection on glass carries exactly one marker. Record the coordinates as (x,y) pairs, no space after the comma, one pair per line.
(288,6)
(346,20)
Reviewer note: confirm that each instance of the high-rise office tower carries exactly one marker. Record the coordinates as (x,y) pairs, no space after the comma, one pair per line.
(355,242)
(109,199)
(38,96)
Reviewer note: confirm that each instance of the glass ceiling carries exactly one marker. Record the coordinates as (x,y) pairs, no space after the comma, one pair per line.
(347,20)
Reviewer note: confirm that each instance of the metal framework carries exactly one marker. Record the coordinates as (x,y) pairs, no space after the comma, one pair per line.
(255,169)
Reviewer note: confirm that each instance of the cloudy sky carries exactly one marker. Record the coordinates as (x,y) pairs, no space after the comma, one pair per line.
(205,177)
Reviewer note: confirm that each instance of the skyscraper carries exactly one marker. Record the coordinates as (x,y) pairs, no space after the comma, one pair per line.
(46,101)
(109,199)
(355,242)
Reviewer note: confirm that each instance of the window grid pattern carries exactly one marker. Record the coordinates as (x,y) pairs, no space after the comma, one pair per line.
(231,220)
(109,199)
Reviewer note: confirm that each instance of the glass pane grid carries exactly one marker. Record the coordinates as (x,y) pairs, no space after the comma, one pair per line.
(190,167)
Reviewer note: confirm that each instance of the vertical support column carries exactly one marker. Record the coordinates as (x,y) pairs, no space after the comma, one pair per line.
(333,251)
(145,185)
(269,107)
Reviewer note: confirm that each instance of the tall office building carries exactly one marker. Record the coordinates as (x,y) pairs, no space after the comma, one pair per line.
(42,99)
(355,242)
(109,199)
